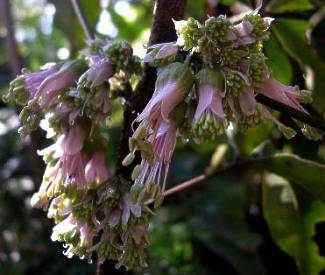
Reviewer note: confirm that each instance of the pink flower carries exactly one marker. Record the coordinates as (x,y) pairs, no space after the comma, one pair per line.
(53,84)
(96,170)
(209,118)
(67,225)
(72,141)
(163,147)
(245,31)
(128,206)
(34,80)
(247,101)
(210,101)
(87,234)
(173,84)
(285,94)
(73,170)
(98,73)
(69,168)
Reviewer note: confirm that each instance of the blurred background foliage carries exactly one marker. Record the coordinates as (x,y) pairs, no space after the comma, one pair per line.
(264,217)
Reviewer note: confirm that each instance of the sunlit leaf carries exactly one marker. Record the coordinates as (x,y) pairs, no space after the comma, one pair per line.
(308,174)
(280,6)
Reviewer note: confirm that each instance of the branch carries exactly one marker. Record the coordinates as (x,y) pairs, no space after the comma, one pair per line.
(315,122)
(82,19)
(36,164)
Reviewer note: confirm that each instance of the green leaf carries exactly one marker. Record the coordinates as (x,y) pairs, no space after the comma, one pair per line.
(308,174)
(292,227)
(278,61)
(280,6)
(218,218)
(291,35)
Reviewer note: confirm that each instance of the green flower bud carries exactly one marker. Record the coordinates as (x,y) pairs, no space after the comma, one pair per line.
(260,26)
(218,28)
(258,70)
(189,32)
(234,83)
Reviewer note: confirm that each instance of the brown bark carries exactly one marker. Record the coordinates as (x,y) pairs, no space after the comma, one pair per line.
(162,30)
(15,63)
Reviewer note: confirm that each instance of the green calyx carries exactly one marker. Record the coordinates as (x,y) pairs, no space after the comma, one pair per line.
(179,72)
(211,77)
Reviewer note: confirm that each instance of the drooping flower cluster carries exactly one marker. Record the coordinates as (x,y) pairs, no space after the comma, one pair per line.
(207,80)
(92,211)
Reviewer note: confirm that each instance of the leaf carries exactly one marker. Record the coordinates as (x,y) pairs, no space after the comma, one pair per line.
(308,174)
(291,227)
(278,61)
(291,35)
(280,6)
(218,218)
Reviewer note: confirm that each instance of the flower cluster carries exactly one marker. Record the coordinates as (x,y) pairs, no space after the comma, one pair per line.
(72,101)
(207,80)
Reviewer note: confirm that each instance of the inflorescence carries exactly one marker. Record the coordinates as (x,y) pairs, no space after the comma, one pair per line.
(206,81)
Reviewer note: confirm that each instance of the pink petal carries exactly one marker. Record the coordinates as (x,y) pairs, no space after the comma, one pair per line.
(73,140)
(216,106)
(205,99)
(247,102)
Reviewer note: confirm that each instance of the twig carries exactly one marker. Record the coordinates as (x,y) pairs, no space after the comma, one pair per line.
(285,109)
(82,19)
(198,179)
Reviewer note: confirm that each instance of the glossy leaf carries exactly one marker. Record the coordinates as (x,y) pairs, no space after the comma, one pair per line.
(308,174)
(291,227)
(278,61)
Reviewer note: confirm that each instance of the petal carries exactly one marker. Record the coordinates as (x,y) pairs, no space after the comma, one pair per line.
(247,102)
(205,99)
(216,106)
(73,140)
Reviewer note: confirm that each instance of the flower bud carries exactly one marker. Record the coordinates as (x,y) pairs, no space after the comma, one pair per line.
(189,32)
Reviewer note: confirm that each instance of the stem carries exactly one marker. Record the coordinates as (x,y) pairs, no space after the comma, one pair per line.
(244,163)
(315,122)
(82,19)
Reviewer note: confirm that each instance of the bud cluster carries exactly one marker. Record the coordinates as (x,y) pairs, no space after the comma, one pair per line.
(231,53)
(207,80)
(94,213)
